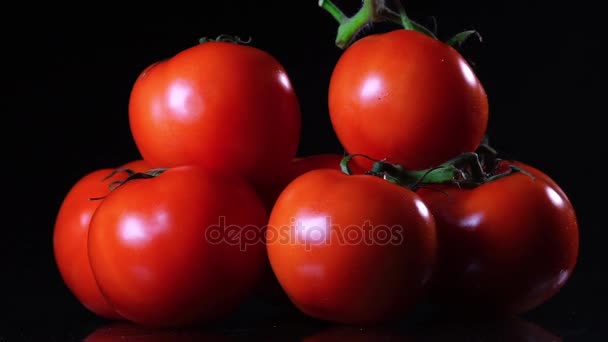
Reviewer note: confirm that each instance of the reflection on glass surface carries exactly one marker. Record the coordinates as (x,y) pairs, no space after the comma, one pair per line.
(509,329)
(512,329)
(127,332)
(354,334)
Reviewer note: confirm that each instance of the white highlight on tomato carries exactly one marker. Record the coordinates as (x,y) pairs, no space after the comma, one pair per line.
(85,219)
(371,87)
(422,209)
(284,80)
(313,270)
(312,229)
(137,230)
(563,276)
(472,221)
(468,73)
(182,101)
(555,198)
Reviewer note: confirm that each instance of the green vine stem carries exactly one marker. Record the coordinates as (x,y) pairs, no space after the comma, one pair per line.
(370,12)
(226,38)
(389,15)
(373,11)
(466,170)
(131,176)
(405,20)
(350,26)
(332,9)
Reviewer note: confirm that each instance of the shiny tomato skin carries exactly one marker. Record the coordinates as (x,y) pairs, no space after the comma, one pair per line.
(220,105)
(343,278)
(155,258)
(505,164)
(506,246)
(407,98)
(269,287)
(70,237)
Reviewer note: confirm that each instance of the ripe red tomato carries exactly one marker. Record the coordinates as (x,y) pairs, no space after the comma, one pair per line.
(269,287)
(221,105)
(181,248)
(407,98)
(351,249)
(70,237)
(506,246)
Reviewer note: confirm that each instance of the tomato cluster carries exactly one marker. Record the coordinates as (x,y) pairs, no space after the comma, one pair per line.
(220,207)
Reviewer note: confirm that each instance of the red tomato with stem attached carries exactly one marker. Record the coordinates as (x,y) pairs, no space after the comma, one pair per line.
(351,249)
(221,105)
(181,248)
(71,232)
(506,246)
(407,98)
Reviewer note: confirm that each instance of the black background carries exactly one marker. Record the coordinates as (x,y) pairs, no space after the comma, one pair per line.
(70,70)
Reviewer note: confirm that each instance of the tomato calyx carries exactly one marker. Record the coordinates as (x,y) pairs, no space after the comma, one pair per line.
(226,38)
(468,170)
(131,176)
(373,11)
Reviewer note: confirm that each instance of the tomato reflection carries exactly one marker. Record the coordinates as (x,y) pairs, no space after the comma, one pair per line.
(356,334)
(128,332)
(513,329)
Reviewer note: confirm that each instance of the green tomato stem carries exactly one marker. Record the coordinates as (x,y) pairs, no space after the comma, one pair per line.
(332,9)
(132,175)
(349,27)
(394,17)
(405,20)
(370,12)
(226,38)
(465,170)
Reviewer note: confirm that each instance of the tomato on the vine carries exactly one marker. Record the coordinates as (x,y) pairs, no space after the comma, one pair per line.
(222,105)
(505,246)
(351,249)
(179,247)
(408,98)
(71,231)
